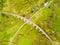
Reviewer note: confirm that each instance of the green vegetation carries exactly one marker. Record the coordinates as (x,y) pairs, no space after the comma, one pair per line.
(47,18)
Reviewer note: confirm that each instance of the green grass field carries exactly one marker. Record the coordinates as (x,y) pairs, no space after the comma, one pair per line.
(43,13)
